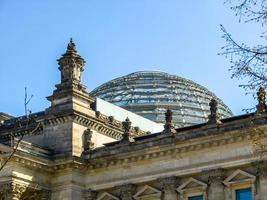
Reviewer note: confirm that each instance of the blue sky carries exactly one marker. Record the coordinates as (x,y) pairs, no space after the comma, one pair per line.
(117,37)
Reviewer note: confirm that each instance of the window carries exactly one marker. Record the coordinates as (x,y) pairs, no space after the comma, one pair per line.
(244,194)
(193,189)
(241,185)
(196,198)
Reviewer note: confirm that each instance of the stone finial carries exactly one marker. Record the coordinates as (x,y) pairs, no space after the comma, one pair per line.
(71,65)
(126,126)
(87,140)
(169,127)
(261,94)
(214,117)
(71,47)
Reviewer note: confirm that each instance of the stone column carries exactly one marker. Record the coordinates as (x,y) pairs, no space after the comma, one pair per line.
(127,191)
(216,187)
(169,185)
(90,194)
(11,191)
(261,181)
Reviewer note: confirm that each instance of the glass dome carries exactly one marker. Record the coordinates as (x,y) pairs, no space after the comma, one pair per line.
(150,93)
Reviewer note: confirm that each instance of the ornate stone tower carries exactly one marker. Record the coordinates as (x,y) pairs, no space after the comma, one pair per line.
(70,102)
(70,94)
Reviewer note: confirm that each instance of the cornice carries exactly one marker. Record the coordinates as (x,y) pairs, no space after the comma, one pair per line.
(155,148)
(126,154)
(105,125)
(76,163)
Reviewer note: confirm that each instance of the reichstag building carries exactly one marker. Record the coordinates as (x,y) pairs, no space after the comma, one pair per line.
(148,135)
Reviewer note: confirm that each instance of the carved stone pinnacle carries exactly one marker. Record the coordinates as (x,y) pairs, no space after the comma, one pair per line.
(261,94)
(214,117)
(169,127)
(126,126)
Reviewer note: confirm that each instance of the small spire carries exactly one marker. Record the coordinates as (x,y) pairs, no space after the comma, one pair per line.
(126,126)
(71,65)
(214,117)
(261,94)
(71,47)
(169,127)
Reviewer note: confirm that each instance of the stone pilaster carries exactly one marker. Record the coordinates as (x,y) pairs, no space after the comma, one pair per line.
(127,191)
(169,185)
(11,191)
(261,181)
(90,194)
(216,187)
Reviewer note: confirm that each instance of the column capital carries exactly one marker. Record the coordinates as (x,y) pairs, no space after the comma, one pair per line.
(127,191)
(215,175)
(12,190)
(261,168)
(90,194)
(169,183)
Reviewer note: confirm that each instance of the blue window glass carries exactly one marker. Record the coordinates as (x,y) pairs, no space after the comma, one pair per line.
(244,194)
(196,198)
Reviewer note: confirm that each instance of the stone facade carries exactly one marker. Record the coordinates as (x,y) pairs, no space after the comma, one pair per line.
(60,154)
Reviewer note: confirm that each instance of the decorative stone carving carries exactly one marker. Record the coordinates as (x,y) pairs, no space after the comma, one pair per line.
(71,64)
(33,194)
(126,126)
(87,140)
(169,185)
(111,119)
(90,194)
(11,191)
(127,191)
(215,176)
(169,126)
(215,184)
(214,116)
(261,107)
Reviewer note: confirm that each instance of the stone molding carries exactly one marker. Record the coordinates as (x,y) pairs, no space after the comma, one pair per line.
(148,192)
(101,123)
(108,196)
(102,162)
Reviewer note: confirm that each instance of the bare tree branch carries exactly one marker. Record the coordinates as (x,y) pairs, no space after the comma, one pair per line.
(18,124)
(246,62)
(250,10)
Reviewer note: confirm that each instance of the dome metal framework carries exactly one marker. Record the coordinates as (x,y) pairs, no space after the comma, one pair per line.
(150,93)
